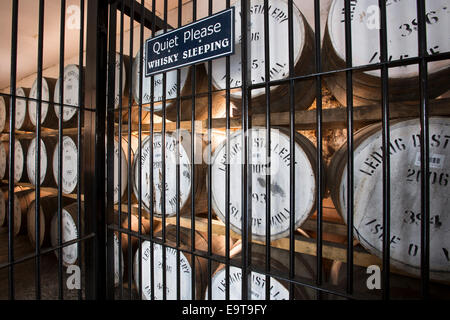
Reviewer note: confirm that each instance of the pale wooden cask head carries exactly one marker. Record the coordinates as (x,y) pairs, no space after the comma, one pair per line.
(19,156)
(69,165)
(118,254)
(218,287)
(69,232)
(47,91)
(171,272)
(402,39)
(278,46)
(31,154)
(21,107)
(125,163)
(70,92)
(19,160)
(405,193)
(170,173)
(402,35)
(305,181)
(117,81)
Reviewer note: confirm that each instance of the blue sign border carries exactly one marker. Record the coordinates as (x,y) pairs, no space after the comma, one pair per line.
(188,26)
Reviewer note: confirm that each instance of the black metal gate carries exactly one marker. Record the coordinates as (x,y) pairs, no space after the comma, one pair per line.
(173,239)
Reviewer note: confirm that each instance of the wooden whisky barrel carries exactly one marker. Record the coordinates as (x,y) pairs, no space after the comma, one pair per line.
(69,164)
(305,267)
(134,226)
(3,162)
(47,144)
(123,168)
(70,96)
(405,192)
(402,43)
(185,162)
(185,263)
(201,107)
(69,230)
(48,116)
(22,119)
(4,110)
(22,201)
(279,168)
(117,80)
(48,206)
(279,57)
(3,209)
(118,254)
(20,148)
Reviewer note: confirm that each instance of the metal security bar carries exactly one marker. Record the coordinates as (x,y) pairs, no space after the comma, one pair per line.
(292,169)
(148,278)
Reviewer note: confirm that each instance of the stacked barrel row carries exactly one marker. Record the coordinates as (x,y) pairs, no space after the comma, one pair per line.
(24,215)
(156,187)
(405,212)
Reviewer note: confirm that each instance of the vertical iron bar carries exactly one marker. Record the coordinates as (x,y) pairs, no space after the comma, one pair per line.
(209,272)
(246,182)
(178,242)
(94,153)
(424,152)
(38,150)
(152,183)
(320,186)
(121,73)
(130,177)
(227,175)
(385,147)
(194,18)
(60,145)
(268,143)
(12,122)
(163,186)
(110,149)
(291,150)
(79,124)
(349,86)
(141,49)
